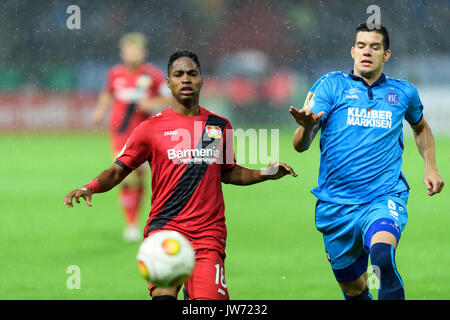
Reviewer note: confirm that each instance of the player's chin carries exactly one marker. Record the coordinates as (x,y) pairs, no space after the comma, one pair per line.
(367,72)
(186,97)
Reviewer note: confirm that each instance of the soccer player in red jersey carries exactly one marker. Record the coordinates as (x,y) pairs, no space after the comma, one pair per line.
(135,89)
(190,151)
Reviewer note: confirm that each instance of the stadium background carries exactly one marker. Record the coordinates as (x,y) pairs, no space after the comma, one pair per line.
(258,58)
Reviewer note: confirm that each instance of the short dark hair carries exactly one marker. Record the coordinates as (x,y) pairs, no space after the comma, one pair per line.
(382,30)
(181,54)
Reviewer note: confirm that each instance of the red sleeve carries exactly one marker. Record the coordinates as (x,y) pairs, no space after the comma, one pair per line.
(137,150)
(229,158)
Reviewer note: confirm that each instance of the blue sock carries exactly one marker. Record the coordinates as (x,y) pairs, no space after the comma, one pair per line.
(365,295)
(382,255)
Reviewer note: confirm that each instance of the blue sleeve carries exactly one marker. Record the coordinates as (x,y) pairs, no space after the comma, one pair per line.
(414,113)
(320,97)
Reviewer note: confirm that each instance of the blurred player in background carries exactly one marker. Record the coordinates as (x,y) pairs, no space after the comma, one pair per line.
(135,89)
(190,156)
(362,193)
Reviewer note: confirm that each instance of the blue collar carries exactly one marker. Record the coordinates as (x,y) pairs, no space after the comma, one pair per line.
(379,81)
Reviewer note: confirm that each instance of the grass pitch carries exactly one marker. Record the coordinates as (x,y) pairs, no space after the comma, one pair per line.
(273,248)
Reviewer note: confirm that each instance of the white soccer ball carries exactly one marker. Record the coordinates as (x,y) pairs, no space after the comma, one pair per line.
(166,258)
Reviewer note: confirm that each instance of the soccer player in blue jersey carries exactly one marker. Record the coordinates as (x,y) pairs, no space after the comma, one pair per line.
(362,193)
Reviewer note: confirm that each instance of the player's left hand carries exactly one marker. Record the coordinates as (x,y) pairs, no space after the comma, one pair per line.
(433,182)
(277,170)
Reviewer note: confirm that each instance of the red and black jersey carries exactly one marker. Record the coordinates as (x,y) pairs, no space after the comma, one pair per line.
(187,156)
(128,88)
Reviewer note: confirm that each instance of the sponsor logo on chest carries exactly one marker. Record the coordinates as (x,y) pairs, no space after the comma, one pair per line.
(366,117)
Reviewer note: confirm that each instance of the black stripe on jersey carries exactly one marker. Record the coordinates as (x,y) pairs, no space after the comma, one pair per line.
(189,181)
(127,118)
(123,165)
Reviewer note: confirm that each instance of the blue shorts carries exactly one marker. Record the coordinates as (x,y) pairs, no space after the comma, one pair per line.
(348,229)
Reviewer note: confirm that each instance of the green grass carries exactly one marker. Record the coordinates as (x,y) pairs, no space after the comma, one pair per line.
(273,249)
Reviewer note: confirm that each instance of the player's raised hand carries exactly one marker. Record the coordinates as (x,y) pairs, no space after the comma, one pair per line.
(277,170)
(433,182)
(305,117)
(85,193)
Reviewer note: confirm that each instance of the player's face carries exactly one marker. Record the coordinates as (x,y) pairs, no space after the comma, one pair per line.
(132,54)
(185,79)
(368,54)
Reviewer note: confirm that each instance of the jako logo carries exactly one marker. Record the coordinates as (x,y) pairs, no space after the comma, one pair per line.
(170,133)
(352,93)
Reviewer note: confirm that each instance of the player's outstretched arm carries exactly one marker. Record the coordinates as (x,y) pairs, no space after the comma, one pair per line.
(105,181)
(425,144)
(309,125)
(242,176)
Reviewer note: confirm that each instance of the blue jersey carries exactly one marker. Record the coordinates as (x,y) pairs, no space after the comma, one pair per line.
(361,139)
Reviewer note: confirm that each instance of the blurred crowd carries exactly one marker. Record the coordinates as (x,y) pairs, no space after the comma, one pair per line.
(248,48)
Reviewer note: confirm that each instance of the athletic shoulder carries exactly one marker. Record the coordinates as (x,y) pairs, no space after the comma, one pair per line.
(221,118)
(327,84)
(333,76)
(402,84)
(156,117)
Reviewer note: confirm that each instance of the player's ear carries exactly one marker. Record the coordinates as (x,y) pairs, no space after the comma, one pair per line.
(387,55)
(352,52)
(168,82)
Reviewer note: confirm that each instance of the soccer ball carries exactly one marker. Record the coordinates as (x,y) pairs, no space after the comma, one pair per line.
(166,259)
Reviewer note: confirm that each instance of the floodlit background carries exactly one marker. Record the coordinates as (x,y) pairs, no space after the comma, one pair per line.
(258,58)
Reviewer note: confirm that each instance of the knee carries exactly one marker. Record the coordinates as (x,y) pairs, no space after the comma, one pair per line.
(352,292)
(354,288)
(382,256)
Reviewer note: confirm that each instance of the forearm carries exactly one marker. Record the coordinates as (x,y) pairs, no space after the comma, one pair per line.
(242,176)
(425,144)
(303,137)
(108,179)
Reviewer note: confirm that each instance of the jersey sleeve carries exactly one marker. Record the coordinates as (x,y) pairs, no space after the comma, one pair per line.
(414,113)
(229,158)
(320,97)
(137,150)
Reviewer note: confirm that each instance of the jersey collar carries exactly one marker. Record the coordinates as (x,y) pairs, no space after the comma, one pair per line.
(379,81)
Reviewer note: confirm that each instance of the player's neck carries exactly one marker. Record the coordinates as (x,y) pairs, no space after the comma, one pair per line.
(187,109)
(369,78)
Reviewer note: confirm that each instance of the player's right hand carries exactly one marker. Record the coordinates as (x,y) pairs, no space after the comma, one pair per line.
(85,193)
(305,117)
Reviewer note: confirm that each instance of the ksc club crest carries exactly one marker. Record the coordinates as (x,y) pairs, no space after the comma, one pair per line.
(392,98)
(214,132)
